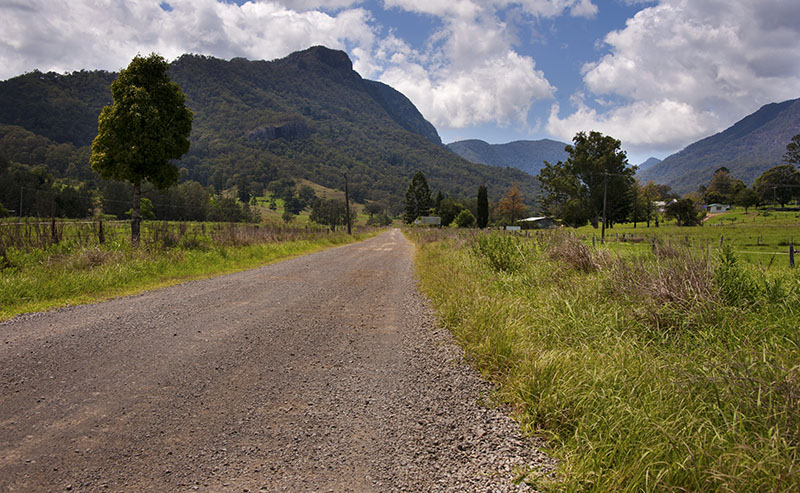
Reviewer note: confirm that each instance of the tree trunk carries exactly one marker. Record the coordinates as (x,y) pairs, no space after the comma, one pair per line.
(136,216)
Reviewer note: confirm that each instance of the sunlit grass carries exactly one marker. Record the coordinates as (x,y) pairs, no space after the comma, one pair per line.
(61,274)
(759,237)
(665,370)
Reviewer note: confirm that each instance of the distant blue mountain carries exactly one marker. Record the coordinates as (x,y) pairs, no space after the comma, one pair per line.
(526,155)
(648,164)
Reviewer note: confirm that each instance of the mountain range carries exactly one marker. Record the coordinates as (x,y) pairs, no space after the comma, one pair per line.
(526,155)
(648,163)
(748,148)
(307,116)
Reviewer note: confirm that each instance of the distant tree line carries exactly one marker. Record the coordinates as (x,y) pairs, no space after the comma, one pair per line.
(596,177)
(462,212)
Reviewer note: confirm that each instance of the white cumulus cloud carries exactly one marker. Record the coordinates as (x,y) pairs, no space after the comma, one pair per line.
(684,69)
(64,36)
(470,72)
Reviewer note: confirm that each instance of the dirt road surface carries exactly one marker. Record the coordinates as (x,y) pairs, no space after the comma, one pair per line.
(321,373)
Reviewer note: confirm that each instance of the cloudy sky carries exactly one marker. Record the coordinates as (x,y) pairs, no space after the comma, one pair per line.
(657,75)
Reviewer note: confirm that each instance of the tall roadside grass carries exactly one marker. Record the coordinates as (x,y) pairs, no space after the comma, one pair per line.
(71,272)
(666,369)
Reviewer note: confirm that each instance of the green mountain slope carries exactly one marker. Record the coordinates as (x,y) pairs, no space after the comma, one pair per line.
(526,155)
(748,148)
(648,163)
(308,115)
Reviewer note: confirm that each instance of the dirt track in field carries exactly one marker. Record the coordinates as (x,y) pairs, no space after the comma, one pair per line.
(321,373)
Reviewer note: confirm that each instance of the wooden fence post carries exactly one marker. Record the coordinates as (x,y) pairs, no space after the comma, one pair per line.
(53,231)
(791,254)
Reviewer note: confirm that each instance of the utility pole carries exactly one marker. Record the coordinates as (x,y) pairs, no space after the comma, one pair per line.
(347,204)
(20,201)
(605,201)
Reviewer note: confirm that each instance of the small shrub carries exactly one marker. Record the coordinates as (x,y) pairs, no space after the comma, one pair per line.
(502,252)
(465,219)
(676,292)
(92,257)
(735,285)
(571,251)
(193,243)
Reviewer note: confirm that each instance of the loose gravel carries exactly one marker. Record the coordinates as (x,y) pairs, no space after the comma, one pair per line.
(322,373)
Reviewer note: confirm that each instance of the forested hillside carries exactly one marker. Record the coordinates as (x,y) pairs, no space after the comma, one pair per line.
(748,148)
(307,116)
(526,155)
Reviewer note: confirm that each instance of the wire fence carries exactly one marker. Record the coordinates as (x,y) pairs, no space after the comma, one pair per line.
(30,234)
(772,248)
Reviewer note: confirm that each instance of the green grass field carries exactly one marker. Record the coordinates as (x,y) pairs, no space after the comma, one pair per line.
(758,237)
(38,273)
(672,369)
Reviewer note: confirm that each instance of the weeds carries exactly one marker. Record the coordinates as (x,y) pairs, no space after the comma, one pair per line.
(666,369)
(503,253)
(37,272)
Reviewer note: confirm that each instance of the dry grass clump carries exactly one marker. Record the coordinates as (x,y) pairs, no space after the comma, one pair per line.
(571,251)
(92,257)
(680,284)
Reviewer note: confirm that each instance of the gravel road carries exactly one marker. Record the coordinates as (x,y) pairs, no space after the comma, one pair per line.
(322,373)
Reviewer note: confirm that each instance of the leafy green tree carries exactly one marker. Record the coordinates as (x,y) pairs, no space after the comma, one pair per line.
(243,191)
(686,211)
(294,205)
(380,219)
(483,207)
(792,155)
(146,126)
(746,197)
(283,188)
(722,188)
(647,197)
(448,210)
(779,185)
(227,209)
(307,195)
(374,208)
(331,212)
(576,188)
(418,198)
(465,219)
(438,202)
(146,209)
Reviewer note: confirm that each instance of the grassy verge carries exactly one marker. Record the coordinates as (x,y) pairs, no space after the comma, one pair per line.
(63,274)
(646,371)
(759,237)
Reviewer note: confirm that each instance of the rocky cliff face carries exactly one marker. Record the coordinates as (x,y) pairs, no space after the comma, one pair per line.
(402,110)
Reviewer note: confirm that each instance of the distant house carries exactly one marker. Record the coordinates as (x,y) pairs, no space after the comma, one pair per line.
(540,222)
(717,208)
(429,221)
